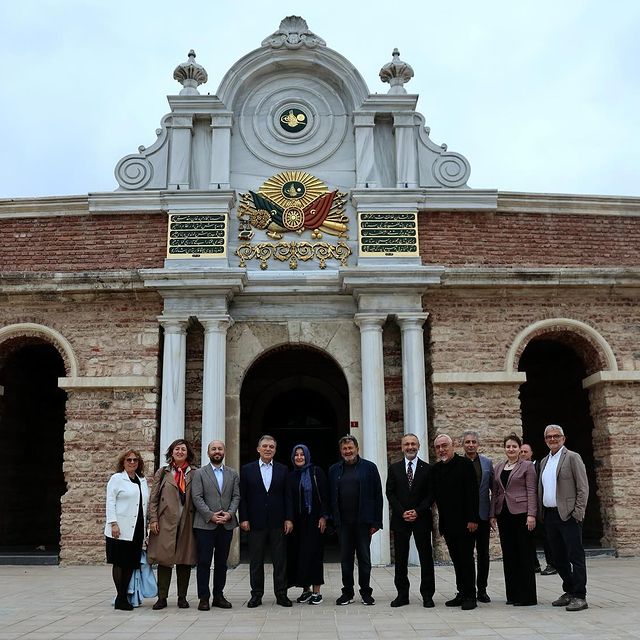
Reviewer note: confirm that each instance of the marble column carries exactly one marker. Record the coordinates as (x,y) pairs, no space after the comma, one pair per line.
(220,150)
(214,380)
(181,128)
(174,360)
(414,391)
(363,124)
(406,150)
(374,427)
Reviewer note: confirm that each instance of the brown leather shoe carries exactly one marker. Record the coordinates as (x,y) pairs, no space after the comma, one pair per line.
(221,602)
(203,605)
(161,603)
(182,603)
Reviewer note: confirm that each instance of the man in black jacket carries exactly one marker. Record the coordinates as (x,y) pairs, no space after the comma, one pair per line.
(408,485)
(455,489)
(356,508)
(266,513)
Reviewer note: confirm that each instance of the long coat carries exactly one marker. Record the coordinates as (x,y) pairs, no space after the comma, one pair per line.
(175,542)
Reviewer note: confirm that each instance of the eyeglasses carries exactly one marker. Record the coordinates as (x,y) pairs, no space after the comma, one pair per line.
(132,459)
(555,436)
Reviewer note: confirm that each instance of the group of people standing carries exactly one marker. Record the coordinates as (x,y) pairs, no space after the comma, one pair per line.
(192,514)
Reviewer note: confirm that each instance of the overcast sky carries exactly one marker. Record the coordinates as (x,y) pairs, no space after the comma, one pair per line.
(540,95)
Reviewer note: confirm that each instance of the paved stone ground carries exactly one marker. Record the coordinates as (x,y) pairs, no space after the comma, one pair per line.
(74,603)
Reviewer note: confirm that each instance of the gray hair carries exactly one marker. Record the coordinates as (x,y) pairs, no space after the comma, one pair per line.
(410,435)
(444,435)
(554,427)
(266,436)
(469,433)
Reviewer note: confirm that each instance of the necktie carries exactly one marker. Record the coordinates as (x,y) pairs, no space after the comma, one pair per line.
(409,474)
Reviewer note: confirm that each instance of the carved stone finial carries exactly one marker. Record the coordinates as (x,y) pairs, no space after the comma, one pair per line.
(396,73)
(190,74)
(293,33)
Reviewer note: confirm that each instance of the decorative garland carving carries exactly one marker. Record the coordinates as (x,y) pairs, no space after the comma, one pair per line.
(293,252)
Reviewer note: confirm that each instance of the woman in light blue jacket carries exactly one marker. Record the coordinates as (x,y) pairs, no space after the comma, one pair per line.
(125,529)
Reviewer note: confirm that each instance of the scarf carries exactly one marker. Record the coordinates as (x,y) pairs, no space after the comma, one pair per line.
(180,474)
(304,476)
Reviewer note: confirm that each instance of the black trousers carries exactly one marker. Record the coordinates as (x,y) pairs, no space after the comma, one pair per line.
(355,540)
(517,560)
(259,541)
(212,544)
(422,539)
(481,543)
(460,545)
(565,540)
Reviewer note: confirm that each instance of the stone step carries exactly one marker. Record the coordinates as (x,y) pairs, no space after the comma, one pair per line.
(12,557)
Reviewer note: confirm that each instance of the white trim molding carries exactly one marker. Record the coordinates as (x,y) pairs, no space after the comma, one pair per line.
(479,377)
(610,376)
(109,382)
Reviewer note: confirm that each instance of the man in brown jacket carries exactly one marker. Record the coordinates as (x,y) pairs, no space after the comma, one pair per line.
(563,491)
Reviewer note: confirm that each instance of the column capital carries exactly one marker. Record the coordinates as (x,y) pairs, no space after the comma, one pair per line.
(369,321)
(215,323)
(409,319)
(173,325)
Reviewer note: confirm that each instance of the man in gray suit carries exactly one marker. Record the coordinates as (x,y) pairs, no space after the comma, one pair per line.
(563,491)
(484,474)
(215,491)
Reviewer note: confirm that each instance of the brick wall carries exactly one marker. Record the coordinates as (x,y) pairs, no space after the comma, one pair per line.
(111,334)
(506,239)
(472,329)
(83,243)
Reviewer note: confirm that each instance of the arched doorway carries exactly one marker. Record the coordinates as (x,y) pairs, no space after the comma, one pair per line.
(32,419)
(296,394)
(553,394)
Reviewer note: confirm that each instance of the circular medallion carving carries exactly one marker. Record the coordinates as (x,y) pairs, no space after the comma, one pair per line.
(293,189)
(293,120)
(288,132)
(293,218)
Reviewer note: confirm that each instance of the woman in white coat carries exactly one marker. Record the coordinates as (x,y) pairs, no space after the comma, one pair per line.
(127,499)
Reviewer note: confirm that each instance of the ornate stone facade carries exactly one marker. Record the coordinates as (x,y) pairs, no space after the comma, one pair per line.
(465,305)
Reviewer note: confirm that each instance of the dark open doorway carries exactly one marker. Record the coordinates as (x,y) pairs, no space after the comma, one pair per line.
(553,394)
(32,419)
(297,395)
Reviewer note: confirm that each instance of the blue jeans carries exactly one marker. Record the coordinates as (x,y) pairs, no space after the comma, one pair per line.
(355,540)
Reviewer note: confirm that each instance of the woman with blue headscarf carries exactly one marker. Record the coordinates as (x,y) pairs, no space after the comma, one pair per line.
(305,550)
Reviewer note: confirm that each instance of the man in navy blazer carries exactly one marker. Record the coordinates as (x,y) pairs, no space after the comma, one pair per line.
(410,498)
(484,474)
(266,514)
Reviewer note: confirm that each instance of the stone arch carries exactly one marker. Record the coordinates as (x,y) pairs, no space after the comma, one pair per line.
(594,350)
(256,64)
(33,330)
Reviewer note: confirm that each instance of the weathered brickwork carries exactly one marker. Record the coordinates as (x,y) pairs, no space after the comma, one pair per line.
(83,243)
(392,354)
(496,238)
(101,423)
(615,409)
(111,334)
(472,329)
(193,388)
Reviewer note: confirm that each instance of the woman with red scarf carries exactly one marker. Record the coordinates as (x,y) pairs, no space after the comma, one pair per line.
(171,540)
